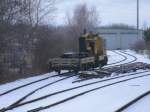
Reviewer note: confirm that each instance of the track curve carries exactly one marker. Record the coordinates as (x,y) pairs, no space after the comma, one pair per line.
(133,60)
(66,90)
(33,82)
(18,103)
(83,93)
(124,58)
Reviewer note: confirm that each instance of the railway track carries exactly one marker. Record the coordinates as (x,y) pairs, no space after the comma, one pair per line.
(33,82)
(133,60)
(124,107)
(18,102)
(83,93)
(29,94)
(66,90)
(124,58)
(19,87)
(42,87)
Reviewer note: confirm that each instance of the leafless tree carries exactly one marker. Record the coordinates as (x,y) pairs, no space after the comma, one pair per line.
(20,21)
(82,18)
(139,45)
(35,11)
(8,10)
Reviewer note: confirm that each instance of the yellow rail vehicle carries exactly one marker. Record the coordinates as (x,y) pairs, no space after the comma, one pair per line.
(92,53)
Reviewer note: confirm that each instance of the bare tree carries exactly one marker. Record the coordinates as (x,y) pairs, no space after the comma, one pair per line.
(139,45)
(20,21)
(8,10)
(35,11)
(82,18)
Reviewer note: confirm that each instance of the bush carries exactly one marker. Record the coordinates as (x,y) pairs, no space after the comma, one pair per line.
(139,45)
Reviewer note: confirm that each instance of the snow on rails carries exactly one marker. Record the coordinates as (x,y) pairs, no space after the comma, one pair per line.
(118,69)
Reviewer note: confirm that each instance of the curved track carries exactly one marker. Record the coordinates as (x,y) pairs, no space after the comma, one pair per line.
(124,58)
(42,87)
(14,105)
(133,101)
(18,102)
(33,82)
(114,64)
(19,87)
(83,93)
(133,60)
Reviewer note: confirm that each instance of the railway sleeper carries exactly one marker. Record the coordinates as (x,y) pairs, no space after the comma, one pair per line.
(127,68)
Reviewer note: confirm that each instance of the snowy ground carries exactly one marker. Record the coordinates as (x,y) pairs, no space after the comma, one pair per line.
(107,99)
(141,106)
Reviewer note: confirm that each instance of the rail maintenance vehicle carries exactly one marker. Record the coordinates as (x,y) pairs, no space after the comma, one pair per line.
(92,54)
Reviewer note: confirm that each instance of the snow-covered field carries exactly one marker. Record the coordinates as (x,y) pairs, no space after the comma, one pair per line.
(106,99)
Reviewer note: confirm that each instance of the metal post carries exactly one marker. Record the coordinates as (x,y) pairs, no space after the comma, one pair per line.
(137,19)
(120,39)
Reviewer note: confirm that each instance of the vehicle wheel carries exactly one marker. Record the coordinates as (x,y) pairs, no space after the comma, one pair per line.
(58,71)
(76,71)
(105,60)
(100,66)
(50,66)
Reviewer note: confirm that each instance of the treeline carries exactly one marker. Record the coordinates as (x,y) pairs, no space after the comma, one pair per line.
(20,27)
(27,43)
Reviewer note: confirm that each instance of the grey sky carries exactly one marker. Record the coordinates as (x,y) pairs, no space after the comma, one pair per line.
(110,11)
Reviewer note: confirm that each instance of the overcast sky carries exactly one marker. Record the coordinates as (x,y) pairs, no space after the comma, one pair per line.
(110,11)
